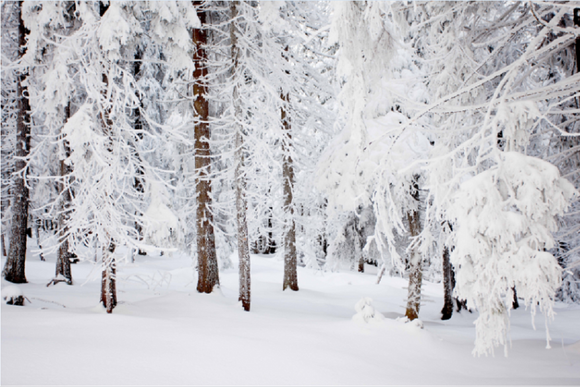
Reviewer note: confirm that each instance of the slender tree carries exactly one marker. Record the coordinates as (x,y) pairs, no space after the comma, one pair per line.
(290,260)
(240,182)
(63,256)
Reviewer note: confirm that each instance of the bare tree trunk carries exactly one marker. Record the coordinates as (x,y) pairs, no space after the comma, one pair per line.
(450,302)
(448,285)
(109,278)
(241,204)
(415,261)
(207,266)
(14,268)
(271,249)
(63,257)
(290,261)
(3,246)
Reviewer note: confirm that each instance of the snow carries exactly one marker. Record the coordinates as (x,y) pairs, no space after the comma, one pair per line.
(165,333)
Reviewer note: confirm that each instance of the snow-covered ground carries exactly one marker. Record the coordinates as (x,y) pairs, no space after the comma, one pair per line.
(164,333)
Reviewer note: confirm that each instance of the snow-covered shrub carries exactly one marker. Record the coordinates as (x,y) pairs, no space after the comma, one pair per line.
(504,221)
(366,312)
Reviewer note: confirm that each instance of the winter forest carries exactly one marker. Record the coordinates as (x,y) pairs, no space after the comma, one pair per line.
(309,192)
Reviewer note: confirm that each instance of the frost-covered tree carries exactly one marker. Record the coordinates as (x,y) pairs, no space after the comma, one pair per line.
(489,101)
(54,96)
(105,146)
(373,161)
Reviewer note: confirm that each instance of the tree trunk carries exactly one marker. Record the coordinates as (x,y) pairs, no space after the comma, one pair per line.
(290,261)
(415,261)
(63,257)
(3,246)
(109,278)
(515,303)
(241,204)
(14,268)
(448,285)
(139,173)
(207,266)
(577,24)
(271,249)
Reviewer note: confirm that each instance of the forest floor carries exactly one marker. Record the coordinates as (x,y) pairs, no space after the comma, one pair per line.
(165,333)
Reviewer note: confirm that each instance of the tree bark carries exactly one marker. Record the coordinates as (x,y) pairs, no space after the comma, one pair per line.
(109,278)
(415,261)
(63,257)
(138,183)
(448,285)
(207,265)
(14,267)
(3,246)
(290,261)
(241,204)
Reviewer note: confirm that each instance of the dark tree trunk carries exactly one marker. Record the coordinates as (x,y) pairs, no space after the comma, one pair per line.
(3,246)
(271,249)
(358,245)
(515,303)
(109,278)
(241,204)
(14,268)
(447,310)
(290,261)
(63,257)
(415,262)
(207,266)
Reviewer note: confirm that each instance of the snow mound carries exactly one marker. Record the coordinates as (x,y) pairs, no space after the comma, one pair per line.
(414,323)
(365,311)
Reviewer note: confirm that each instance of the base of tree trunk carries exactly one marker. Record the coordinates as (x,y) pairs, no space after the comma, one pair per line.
(447,311)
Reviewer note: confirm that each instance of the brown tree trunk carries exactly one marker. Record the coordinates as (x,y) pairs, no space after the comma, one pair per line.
(241,204)
(14,268)
(109,278)
(415,261)
(207,266)
(289,238)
